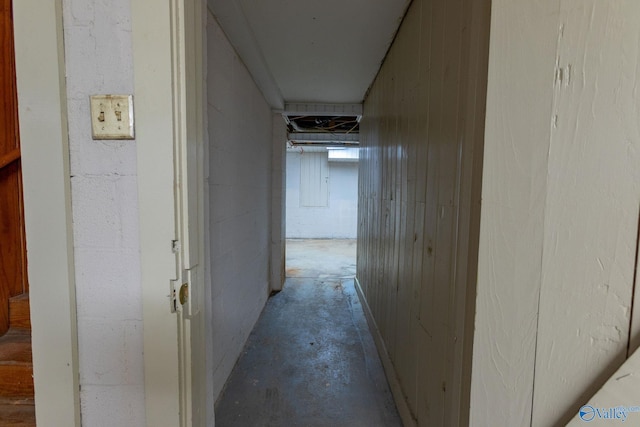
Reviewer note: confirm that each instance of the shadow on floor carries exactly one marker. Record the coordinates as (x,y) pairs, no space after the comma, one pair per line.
(310,361)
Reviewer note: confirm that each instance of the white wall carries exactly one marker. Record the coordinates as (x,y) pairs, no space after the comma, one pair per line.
(105,213)
(561,192)
(239,188)
(105,218)
(339,218)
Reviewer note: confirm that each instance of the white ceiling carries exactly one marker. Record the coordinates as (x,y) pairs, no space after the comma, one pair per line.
(311,51)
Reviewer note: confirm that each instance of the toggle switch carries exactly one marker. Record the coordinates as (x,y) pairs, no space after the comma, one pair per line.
(112,116)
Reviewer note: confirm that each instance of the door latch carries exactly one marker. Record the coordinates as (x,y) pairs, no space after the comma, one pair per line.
(184,293)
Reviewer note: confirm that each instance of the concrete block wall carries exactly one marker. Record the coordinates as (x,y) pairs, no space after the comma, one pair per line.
(421,144)
(97,37)
(336,221)
(239,182)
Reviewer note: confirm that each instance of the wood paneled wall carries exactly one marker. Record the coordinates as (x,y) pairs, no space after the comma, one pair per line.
(422,137)
(560,205)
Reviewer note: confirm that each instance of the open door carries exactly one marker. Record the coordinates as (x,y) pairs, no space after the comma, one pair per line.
(188,289)
(169,137)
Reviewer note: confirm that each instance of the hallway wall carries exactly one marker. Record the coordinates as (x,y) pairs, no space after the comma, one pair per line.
(561,193)
(239,191)
(421,145)
(336,221)
(98,50)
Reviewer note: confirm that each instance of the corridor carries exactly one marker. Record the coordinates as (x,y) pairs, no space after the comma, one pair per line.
(310,360)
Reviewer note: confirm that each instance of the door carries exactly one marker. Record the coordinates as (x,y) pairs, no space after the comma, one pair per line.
(167,52)
(314,179)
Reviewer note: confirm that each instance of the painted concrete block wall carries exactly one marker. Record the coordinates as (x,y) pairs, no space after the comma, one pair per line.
(98,53)
(239,182)
(421,145)
(561,193)
(337,220)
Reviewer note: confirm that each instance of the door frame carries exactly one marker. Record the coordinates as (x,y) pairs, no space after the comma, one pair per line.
(168,75)
(42,112)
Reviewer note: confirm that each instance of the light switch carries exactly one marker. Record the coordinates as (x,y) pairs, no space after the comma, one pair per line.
(112,116)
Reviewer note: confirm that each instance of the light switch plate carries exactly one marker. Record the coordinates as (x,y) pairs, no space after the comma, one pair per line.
(112,116)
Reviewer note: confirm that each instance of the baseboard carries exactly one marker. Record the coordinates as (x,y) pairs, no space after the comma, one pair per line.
(403,408)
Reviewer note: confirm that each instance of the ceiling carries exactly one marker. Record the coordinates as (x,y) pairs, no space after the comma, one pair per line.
(311,51)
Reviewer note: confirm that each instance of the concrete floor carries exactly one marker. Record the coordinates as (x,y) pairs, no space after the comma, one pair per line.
(310,360)
(321,258)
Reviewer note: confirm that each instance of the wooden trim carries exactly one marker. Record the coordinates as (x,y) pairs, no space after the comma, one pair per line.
(403,408)
(47,209)
(10,157)
(156,75)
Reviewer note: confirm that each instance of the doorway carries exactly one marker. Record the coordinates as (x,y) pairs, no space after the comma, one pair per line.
(321,211)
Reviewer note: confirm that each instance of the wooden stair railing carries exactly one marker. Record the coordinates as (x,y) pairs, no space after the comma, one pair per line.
(16,368)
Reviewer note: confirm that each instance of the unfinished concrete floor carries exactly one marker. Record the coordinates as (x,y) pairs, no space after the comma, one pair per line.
(321,258)
(310,360)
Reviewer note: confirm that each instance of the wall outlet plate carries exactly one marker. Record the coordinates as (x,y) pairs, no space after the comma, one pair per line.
(112,116)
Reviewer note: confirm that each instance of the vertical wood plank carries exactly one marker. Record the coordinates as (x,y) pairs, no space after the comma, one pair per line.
(522,47)
(592,202)
(430,401)
(409,205)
